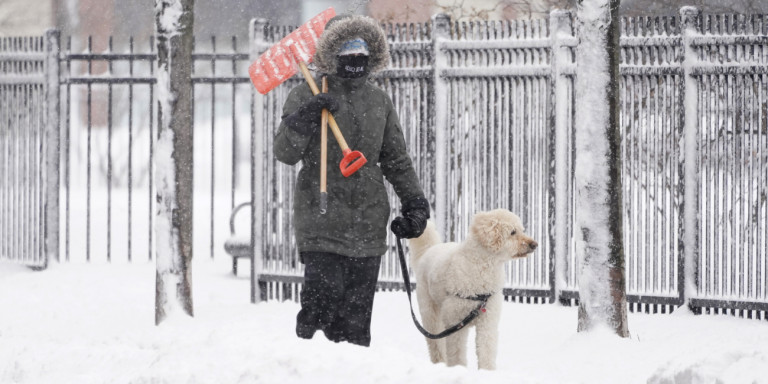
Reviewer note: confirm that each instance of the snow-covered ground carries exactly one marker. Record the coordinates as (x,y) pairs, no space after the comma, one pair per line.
(78,323)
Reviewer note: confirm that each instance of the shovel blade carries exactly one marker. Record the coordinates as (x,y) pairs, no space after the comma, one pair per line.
(278,63)
(352,161)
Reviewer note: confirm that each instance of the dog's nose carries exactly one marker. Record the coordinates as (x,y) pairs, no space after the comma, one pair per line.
(533,245)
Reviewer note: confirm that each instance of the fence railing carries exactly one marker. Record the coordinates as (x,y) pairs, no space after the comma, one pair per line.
(29,166)
(488,115)
(730,67)
(94,110)
(488,111)
(109,129)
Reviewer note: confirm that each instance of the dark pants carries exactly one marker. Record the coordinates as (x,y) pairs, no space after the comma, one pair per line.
(337,297)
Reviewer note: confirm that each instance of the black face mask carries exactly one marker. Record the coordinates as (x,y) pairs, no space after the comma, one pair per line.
(351,66)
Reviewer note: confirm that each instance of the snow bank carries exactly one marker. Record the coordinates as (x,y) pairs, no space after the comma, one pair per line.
(78,323)
(705,367)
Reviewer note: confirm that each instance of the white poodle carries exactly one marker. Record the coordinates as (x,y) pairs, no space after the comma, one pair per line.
(449,273)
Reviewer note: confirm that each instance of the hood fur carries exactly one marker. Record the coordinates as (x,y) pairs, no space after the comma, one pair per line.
(346,28)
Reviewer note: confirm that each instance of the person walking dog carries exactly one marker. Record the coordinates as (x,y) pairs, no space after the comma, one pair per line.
(341,249)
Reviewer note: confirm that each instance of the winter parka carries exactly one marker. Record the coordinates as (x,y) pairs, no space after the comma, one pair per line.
(355,224)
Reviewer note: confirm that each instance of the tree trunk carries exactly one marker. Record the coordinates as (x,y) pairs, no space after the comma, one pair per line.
(600,247)
(173,158)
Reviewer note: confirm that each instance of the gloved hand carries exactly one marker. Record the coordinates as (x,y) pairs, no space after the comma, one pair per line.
(306,119)
(414,219)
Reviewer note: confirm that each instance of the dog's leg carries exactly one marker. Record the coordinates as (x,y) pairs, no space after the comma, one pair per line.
(487,339)
(431,321)
(456,348)
(436,347)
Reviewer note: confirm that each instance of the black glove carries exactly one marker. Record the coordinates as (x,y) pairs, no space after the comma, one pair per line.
(414,219)
(306,119)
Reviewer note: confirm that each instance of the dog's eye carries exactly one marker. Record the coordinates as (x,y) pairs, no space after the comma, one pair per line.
(513,233)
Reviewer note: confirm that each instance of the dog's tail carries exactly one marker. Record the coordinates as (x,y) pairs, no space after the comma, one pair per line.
(421,244)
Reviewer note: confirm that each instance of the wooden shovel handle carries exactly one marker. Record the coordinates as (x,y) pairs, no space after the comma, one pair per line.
(331,121)
(324,143)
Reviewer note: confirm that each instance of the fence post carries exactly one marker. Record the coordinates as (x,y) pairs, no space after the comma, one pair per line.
(689,160)
(441,31)
(257,41)
(52,146)
(559,150)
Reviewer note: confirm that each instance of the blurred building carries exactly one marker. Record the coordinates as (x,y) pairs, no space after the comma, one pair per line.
(26,18)
(224,18)
(672,7)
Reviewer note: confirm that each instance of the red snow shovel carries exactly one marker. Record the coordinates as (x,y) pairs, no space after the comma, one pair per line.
(279,64)
(352,160)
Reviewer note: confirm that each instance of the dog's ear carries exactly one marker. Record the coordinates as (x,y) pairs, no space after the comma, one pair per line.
(489,231)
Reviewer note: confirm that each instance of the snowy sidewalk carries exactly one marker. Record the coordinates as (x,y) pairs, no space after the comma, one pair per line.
(81,324)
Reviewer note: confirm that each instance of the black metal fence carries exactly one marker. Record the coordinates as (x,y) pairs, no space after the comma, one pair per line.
(29,185)
(487,109)
(109,127)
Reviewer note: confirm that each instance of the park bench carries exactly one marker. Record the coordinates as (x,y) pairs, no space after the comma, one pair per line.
(237,246)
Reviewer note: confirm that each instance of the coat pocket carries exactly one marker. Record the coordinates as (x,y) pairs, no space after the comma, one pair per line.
(372,205)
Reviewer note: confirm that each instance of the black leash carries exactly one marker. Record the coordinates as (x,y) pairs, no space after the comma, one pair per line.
(483,299)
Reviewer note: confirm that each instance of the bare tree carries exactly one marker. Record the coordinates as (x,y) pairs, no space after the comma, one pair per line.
(461,10)
(173,158)
(672,7)
(533,8)
(600,249)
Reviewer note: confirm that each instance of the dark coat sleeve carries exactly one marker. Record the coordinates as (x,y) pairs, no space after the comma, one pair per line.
(395,162)
(289,146)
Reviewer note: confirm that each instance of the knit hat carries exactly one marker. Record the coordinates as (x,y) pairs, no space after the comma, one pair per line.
(354,46)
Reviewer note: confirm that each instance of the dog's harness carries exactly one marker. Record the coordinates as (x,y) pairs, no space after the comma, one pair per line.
(483,299)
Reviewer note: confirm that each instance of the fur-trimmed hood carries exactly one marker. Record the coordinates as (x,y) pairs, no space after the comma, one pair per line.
(339,30)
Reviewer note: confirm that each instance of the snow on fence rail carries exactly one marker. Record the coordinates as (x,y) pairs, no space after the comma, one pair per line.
(488,111)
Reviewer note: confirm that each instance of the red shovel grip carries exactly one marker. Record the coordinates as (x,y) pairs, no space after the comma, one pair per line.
(352,161)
